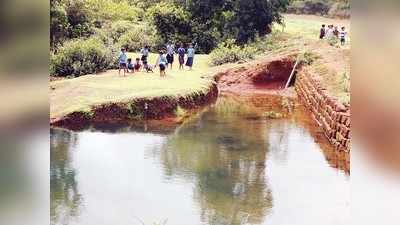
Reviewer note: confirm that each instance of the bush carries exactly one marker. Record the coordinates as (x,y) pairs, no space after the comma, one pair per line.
(78,57)
(333,41)
(106,10)
(116,29)
(229,52)
(309,58)
(340,10)
(317,7)
(269,42)
(330,8)
(137,37)
(172,22)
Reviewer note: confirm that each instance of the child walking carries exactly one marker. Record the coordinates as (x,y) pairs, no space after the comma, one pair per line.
(181,56)
(122,59)
(190,57)
(170,54)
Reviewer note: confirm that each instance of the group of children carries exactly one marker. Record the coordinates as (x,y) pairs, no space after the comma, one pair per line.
(333,32)
(165,58)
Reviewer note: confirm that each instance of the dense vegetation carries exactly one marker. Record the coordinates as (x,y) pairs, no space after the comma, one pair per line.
(330,8)
(100,27)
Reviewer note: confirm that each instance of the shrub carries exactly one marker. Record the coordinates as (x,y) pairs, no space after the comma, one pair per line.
(269,42)
(116,29)
(331,8)
(137,37)
(172,21)
(340,10)
(78,57)
(229,52)
(333,41)
(309,58)
(106,10)
(318,7)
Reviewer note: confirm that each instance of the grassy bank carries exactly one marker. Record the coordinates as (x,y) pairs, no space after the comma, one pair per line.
(83,93)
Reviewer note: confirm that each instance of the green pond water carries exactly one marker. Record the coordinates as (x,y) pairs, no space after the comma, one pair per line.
(226,165)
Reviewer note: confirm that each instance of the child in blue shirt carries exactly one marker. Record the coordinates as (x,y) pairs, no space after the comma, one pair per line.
(190,55)
(181,54)
(122,60)
(162,63)
(130,66)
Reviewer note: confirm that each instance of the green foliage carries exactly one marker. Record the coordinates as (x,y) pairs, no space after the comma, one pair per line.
(308,58)
(172,22)
(331,8)
(109,10)
(79,22)
(270,42)
(118,28)
(58,23)
(78,57)
(320,7)
(242,20)
(135,23)
(340,9)
(229,52)
(136,38)
(82,18)
(333,41)
(253,17)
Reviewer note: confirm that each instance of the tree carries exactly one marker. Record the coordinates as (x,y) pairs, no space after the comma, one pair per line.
(254,17)
(58,23)
(172,22)
(242,20)
(80,24)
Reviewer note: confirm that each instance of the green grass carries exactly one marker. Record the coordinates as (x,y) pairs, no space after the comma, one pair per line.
(80,94)
(308,26)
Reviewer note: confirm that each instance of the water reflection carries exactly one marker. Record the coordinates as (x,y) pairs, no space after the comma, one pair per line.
(224,154)
(64,193)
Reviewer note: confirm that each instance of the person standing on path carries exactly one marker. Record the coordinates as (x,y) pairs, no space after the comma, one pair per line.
(170,53)
(122,60)
(322,32)
(190,57)
(181,56)
(329,32)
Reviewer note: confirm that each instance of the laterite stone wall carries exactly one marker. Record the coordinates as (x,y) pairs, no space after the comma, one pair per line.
(329,113)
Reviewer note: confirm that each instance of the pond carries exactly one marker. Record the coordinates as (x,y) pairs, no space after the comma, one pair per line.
(228,164)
